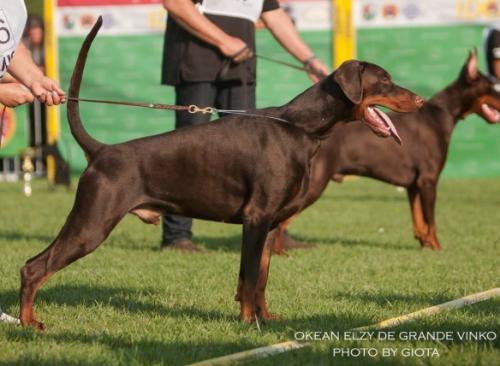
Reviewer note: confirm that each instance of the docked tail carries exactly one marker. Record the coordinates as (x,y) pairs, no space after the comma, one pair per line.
(87,142)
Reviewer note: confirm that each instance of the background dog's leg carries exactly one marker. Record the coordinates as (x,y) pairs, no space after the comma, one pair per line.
(95,214)
(428,200)
(419,225)
(279,237)
(254,236)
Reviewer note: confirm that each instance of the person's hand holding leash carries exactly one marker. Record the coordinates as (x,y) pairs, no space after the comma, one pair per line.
(316,70)
(236,49)
(23,68)
(47,91)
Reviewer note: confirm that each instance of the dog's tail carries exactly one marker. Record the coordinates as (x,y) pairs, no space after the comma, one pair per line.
(87,142)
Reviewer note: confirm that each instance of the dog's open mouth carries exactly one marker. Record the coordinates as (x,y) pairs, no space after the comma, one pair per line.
(380,123)
(491,114)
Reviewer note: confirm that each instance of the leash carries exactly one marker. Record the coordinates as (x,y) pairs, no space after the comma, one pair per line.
(205,110)
(188,108)
(284,63)
(293,66)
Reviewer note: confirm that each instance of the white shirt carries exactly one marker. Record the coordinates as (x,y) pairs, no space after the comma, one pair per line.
(13,17)
(246,9)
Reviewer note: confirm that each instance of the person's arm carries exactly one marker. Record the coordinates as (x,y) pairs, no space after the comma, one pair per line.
(8,78)
(187,16)
(14,94)
(282,28)
(27,73)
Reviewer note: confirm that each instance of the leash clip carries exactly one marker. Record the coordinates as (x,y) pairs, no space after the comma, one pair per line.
(195,109)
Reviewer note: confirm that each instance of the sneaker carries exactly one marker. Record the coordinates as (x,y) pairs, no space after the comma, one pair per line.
(184,245)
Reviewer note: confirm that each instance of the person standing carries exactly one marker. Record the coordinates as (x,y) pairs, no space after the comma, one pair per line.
(492,50)
(208,58)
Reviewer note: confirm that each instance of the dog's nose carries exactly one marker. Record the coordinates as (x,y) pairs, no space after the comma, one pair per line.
(419,101)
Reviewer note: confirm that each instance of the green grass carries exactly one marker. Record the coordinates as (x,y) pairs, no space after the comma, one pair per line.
(127,304)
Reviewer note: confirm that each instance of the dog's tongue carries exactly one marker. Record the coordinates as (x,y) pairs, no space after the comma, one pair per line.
(491,114)
(387,121)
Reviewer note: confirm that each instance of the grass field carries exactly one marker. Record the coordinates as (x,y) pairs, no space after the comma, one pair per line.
(127,304)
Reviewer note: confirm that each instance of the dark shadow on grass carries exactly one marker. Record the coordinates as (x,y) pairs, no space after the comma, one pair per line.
(139,349)
(220,243)
(10,235)
(119,298)
(170,351)
(387,299)
(144,352)
(353,197)
(233,243)
(358,242)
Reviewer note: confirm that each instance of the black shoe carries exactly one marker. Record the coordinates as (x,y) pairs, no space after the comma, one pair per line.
(184,245)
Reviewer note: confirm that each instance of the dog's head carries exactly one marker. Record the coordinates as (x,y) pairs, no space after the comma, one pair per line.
(481,93)
(367,85)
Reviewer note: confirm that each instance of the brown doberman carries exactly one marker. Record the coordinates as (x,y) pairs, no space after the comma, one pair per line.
(239,169)
(417,164)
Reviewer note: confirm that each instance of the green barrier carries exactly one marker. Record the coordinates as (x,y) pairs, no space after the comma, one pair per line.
(427,59)
(15,134)
(424,59)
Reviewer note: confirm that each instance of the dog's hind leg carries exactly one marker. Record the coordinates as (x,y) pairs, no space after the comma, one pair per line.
(96,212)
(255,230)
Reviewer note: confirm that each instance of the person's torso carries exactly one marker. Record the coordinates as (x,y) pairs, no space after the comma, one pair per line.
(187,58)
(12,22)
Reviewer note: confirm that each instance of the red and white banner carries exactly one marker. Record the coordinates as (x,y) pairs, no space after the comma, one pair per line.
(120,17)
(75,17)
(104,2)
(407,13)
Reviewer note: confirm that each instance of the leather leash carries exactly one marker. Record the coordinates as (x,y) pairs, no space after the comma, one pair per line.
(284,63)
(188,108)
(194,108)
(293,66)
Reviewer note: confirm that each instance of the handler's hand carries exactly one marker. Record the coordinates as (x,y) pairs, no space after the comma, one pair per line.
(47,91)
(316,70)
(14,94)
(236,49)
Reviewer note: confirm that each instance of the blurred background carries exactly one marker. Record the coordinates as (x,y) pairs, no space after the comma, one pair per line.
(422,43)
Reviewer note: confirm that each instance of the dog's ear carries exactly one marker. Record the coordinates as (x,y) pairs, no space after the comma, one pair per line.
(348,76)
(470,67)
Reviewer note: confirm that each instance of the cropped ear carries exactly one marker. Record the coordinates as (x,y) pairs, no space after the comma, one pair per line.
(471,72)
(348,76)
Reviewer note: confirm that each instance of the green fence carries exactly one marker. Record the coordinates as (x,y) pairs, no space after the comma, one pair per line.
(128,68)
(15,134)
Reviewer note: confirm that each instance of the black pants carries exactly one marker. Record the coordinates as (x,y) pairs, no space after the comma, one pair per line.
(222,95)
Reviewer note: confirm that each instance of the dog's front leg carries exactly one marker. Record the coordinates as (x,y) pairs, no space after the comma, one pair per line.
(260,295)
(255,231)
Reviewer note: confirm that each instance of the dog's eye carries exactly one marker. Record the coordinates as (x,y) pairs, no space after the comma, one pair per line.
(385,79)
